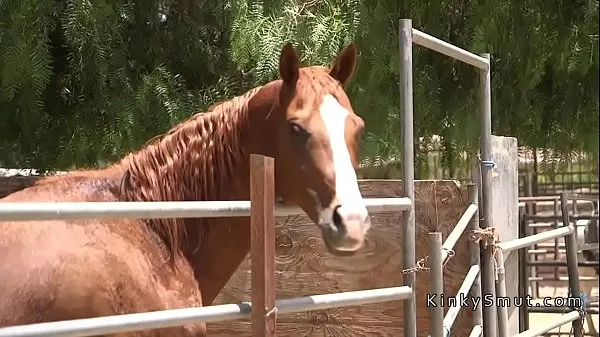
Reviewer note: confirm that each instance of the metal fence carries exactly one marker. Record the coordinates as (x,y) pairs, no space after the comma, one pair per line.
(262,211)
(408,36)
(571,313)
(480,279)
(542,263)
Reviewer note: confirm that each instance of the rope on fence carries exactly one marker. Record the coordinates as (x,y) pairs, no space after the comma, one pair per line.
(489,237)
(420,265)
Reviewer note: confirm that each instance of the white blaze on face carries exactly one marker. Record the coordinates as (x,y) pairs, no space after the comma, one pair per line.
(352,210)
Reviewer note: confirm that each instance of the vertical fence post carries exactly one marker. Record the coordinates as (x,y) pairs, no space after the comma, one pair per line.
(572,268)
(501,292)
(262,219)
(475,254)
(408,172)
(487,270)
(557,240)
(523,275)
(436,284)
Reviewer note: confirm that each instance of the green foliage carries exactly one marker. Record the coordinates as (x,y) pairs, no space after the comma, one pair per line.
(82,82)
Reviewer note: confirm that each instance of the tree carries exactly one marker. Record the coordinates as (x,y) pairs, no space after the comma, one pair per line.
(83,81)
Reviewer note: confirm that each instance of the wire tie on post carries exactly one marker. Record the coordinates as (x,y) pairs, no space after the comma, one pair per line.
(451,254)
(272,312)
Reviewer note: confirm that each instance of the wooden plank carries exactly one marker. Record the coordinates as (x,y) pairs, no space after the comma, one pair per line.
(262,251)
(304,267)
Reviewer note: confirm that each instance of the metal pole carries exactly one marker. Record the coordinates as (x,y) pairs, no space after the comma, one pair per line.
(455,308)
(476,332)
(475,255)
(557,240)
(107,325)
(523,276)
(562,264)
(436,284)
(501,292)
(558,310)
(532,239)
(487,270)
(458,230)
(408,172)
(564,319)
(572,270)
(448,49)
(30,211)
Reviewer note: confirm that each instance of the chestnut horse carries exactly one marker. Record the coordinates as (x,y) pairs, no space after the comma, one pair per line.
(59,270)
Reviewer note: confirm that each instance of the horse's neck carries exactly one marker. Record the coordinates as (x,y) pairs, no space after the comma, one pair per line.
(207,158)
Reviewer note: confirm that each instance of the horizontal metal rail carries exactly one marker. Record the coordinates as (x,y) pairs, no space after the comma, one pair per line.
(571,197)
(557,310)
(562,278)
(457,232)
(533,239)
(448,49)
(30,211)
(562,263)
(541,198)
(216,313)
(453,311)
(593,197)
(477,331)
(564,319)
(537,217)
(545,251)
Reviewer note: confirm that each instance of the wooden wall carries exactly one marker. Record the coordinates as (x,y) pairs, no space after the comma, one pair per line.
(304,267)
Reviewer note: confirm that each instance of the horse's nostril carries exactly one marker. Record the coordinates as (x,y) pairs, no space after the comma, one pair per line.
(337,218)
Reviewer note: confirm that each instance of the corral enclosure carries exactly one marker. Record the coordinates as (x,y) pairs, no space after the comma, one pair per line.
(304,267)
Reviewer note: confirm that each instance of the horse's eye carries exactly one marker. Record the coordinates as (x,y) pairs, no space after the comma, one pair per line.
(299,134)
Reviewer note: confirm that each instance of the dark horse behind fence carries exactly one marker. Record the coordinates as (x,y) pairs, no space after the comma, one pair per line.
(59,270)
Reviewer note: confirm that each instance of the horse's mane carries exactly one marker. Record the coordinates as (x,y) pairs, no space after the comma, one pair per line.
(192,161)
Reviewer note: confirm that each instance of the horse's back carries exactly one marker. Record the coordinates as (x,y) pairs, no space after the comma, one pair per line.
(62,270)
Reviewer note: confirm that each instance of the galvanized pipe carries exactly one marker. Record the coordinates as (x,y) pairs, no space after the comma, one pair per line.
(564,319)
(584,197)
(571,197)
(556,240)
(458,230)
(408,170)
(554,218)
(562,264)
(485,149)
(501,292)
(573,271)
(559,310)
(436,285)
(465,288)
(562,278)
(474,251)
(176,317)
(448,49)
(32,211)
(511,245)
(476,332)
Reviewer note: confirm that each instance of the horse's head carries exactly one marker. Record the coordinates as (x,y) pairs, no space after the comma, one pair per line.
(317,148)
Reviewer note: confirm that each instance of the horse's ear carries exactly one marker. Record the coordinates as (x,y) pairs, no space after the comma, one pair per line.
(289,65)
(344,64)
